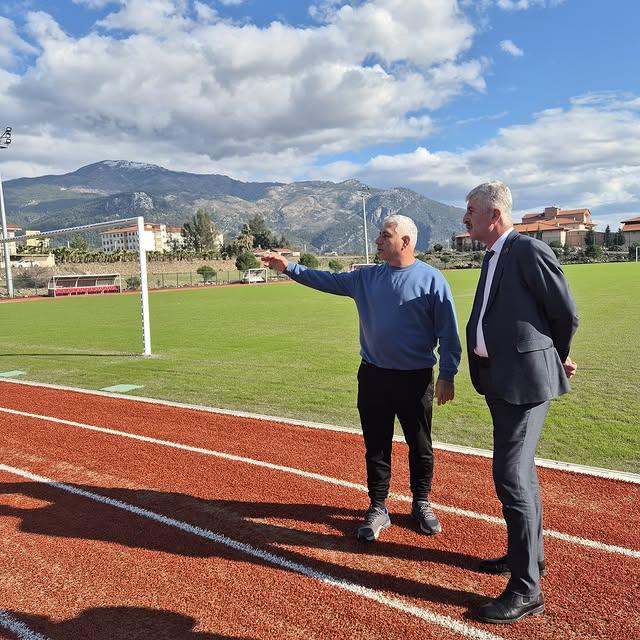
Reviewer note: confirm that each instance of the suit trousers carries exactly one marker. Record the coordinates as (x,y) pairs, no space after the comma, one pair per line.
(384,394)
(516,431)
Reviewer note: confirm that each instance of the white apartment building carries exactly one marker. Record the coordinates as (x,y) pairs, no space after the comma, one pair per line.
(157,237)
(126,239)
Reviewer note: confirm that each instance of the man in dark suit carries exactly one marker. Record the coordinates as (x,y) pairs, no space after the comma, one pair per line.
(518,338)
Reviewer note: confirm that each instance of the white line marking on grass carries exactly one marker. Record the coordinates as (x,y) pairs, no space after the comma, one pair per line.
(276,560)
(585,542)
(610,474)
(19,629)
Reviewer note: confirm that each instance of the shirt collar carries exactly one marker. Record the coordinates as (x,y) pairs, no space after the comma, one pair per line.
(499,243)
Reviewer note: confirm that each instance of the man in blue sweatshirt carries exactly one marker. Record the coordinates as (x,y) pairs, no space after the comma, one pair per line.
(406,309)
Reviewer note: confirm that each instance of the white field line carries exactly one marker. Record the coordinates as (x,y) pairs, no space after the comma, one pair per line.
(601,546)
(272,558)
(17,628)
(610,474)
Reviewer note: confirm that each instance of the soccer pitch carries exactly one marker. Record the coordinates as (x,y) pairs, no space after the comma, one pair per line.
(286,350)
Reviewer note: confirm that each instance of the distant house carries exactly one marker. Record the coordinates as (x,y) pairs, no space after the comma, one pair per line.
(11,233)
(566,226)
(631,230)
(156,237)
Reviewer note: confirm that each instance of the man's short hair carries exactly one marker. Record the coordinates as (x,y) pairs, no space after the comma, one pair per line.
(405,226)
(493,195)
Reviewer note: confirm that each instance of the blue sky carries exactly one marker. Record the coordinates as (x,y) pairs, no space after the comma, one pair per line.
(434,95)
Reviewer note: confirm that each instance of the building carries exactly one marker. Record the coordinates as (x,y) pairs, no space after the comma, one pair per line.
(631,231)
(157,237)
(565,226)
(11,233)
(126,239)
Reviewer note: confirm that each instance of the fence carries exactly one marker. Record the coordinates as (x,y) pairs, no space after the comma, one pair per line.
(23,287)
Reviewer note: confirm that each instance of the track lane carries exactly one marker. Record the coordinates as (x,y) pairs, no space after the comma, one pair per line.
(104,559)
(431,569)
(594,508)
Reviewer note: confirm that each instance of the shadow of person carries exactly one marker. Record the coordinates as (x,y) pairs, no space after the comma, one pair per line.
(282,529)
(120,623)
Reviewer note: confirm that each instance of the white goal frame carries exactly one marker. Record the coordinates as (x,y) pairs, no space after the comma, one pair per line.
(253,276)
(142,257)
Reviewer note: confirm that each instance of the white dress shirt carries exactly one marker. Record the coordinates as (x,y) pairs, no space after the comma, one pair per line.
(481,348)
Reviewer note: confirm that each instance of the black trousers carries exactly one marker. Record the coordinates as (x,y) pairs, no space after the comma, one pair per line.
(384,394)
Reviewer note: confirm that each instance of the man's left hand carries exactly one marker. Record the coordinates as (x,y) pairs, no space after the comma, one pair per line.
(569,367)
(444,391)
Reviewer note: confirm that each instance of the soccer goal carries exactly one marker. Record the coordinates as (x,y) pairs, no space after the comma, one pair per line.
(255,276)
(128,233)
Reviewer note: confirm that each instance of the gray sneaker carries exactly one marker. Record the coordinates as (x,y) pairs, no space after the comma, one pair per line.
(375,520)
(426,519)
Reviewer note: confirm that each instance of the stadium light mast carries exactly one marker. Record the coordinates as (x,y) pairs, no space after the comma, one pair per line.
(5,141)
(363,193)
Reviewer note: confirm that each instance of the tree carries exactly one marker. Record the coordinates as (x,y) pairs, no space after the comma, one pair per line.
(79,243)
(619,238)
(200,234)
(589,238)
(309,260)
(437,248)
(206,272)
(246,260)
(606,241)
(133,282)
(262,236)
(336,265)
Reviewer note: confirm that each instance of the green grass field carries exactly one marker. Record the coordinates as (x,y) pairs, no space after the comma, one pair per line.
(286,350)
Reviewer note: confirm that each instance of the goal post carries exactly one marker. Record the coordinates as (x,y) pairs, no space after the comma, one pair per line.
(142,258)
(255,276)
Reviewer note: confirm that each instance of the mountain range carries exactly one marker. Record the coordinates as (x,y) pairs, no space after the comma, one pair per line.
(324,216)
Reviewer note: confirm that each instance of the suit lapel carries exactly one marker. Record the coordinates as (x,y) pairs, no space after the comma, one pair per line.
(502,260)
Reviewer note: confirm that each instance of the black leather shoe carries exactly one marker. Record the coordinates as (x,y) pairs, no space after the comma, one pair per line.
(500,567)
(510,607)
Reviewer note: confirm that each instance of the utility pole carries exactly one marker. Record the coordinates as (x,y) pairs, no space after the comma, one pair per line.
(5,141)
(363,194)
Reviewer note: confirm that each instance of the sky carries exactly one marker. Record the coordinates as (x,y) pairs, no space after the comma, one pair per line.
(433,95)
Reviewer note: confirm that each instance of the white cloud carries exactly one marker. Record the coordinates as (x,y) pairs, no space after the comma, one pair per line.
(578,156)
(94,4)
(11,44)
(222,92)
(519,5)
(509,47)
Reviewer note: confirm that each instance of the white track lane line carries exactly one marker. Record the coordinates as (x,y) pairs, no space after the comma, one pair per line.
(17,628)
(276,560)
(622,476)
(585,542)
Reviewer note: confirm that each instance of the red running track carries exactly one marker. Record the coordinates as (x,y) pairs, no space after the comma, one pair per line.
(190,525)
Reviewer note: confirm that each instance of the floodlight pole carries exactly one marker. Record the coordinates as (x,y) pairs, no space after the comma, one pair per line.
(5,140)
(363,193)
(144,290)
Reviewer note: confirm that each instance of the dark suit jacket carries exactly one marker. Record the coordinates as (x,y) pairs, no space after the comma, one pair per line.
(528,324)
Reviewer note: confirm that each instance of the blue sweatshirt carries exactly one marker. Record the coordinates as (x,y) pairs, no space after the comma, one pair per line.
(404,312)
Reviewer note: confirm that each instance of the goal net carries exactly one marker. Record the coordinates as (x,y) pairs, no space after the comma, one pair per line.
(77,262)
(255,276)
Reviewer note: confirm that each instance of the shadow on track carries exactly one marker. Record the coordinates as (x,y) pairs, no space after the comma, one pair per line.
(267,526)
(119,623)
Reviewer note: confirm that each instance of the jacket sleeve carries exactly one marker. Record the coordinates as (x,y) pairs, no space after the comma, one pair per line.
(340,284)
(547,282)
